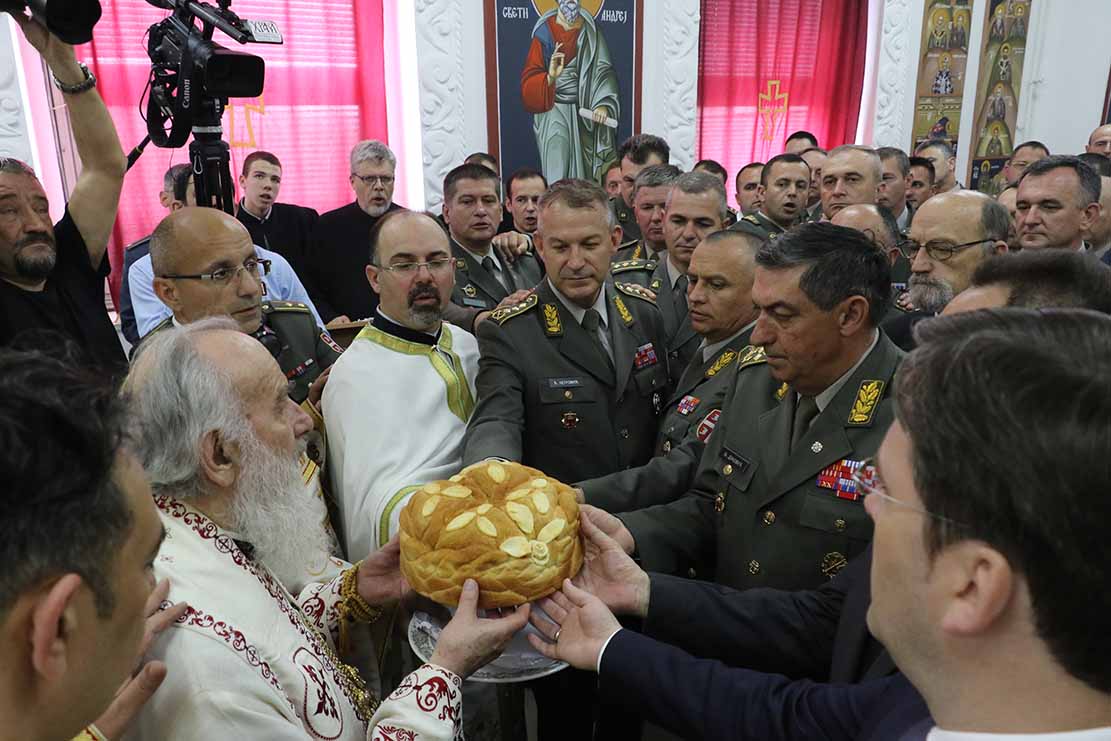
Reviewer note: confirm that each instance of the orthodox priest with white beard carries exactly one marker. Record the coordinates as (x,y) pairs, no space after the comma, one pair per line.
(569,69)
(250,659)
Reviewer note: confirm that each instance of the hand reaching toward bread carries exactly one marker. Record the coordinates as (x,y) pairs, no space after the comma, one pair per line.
(610,574)
(469,642)
(611,526)
(581,629)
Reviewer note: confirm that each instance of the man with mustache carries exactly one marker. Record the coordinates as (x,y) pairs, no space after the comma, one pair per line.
(483,278)
(951,235)
(52,275)
(206,265)
(260,652)
(406,428)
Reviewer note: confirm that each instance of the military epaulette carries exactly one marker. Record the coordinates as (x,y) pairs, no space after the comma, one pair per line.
(867,399)
(631,289)
(751,355)
(501,316)
(626,245)
(624,266)
(297,306)
(750,219)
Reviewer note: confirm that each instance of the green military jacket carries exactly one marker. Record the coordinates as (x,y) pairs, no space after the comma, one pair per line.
(689,419)
(682,340)
(290,332)
(759,224)
(625,217)
(760,514)
(548,398)
(638,272)
(477,288)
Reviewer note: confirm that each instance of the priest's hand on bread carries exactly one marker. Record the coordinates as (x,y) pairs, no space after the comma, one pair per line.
(469,642)
(380,580)
(507,526)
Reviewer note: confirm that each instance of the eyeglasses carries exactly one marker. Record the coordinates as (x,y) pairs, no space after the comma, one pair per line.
(869,483)
(384,180)
(937,250)
(435,267)
(257,268)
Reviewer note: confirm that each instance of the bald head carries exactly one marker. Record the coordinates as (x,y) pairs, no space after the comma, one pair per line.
(721,274)
(187,231)
(868,220)
(1100,141)
(400,241)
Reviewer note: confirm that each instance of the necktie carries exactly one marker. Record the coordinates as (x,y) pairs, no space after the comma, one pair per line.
(806,409)
(493,269)
(592,322)
(679,297)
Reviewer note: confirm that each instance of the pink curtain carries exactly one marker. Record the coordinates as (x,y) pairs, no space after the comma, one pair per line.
(325,90)
(771,67)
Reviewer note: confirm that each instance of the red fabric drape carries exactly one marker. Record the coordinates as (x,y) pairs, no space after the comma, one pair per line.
(815,49)
(325,90)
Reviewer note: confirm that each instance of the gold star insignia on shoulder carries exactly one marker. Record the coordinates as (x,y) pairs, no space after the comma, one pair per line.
(631,289)
(751,355)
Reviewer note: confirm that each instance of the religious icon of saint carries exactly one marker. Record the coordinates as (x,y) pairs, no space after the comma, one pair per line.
(995,144)
(997,105)
(958,39)
(939,34)
(569,85)
(1004,63)
(997,29)
(943,80)
(1018,25)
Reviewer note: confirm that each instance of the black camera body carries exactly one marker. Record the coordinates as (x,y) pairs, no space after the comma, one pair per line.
(71,21)
(192,78)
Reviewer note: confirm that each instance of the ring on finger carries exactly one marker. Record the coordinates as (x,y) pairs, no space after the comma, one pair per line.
(556,636)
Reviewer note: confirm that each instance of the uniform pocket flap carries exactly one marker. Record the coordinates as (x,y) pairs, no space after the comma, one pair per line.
(832,514)
(651,379)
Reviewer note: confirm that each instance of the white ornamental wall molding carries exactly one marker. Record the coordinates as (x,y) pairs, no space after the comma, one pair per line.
(891,126)
(442,101)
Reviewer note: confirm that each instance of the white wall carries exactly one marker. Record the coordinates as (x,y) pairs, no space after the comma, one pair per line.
(1064,78)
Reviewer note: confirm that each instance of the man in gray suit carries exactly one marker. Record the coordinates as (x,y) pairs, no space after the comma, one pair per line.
(696,207)
(772,504)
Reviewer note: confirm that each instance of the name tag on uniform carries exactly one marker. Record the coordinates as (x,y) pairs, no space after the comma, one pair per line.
(739,462)
(564,383)
(476,303)
(839,479)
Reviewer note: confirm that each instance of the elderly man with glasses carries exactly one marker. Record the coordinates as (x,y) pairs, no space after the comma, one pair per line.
(952,233)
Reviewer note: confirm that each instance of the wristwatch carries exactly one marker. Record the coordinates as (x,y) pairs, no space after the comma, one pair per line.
(87,84)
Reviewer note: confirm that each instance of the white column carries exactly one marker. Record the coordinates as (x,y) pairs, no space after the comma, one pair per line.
(669,84)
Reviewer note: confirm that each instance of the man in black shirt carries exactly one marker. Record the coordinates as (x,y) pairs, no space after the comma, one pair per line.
(279,227)
(336,263)
(52,275)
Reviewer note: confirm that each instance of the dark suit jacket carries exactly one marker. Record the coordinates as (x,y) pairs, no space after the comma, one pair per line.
(703,699)
(899,326)
(335,264)
(818,634)
(547,398)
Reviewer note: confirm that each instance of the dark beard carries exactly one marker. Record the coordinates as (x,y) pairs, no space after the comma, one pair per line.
(425,316)
(38,267)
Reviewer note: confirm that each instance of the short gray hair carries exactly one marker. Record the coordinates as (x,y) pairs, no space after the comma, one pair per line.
(371,150)
(576,194)
(696,183)
(877,165)
(177,397)
(655,176)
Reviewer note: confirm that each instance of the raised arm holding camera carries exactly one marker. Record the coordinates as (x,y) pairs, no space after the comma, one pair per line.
(53,274)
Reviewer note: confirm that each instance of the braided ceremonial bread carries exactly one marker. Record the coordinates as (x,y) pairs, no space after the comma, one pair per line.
(507,526)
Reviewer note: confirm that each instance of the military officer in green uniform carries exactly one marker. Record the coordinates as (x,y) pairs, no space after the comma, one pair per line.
(635,153)
(650,191)
(483,279)
(721,311)
(205,265)
(695,208)
(572,380)
(773,504)
(784,182)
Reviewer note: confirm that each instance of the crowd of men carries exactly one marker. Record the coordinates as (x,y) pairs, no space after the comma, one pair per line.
(839,452)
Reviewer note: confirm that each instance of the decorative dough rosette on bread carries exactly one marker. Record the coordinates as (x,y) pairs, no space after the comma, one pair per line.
(507,526)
